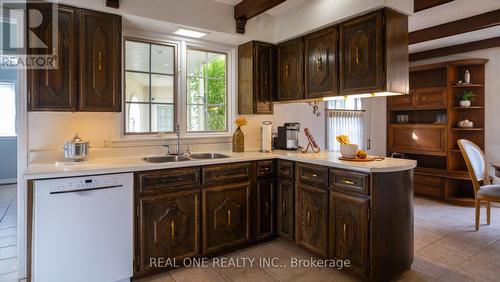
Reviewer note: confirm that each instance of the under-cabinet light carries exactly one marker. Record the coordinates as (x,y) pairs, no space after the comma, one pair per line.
(378,94)
(189,33)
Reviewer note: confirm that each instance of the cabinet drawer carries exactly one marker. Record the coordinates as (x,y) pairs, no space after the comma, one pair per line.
(285,169)
(347,181)
(168,179)
(429,185)
(265,168)
(312,174)
(401,101)
(225,173)
(431,98)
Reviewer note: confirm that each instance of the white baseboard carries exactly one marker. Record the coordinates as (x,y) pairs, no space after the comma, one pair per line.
(8,181)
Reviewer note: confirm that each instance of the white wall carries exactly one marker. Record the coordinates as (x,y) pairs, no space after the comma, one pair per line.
(492,96)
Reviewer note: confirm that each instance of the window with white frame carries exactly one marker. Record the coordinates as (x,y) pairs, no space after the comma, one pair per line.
(345,117)
(150,87)
(207,109)
(7,109)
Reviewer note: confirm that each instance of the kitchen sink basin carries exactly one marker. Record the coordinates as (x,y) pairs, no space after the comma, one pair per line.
(165,159)
(208,156)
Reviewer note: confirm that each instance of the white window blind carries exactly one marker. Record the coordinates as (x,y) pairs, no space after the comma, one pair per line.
(345,117)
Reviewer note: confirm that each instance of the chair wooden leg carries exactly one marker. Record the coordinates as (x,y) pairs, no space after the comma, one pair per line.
(488,213)
(478,214)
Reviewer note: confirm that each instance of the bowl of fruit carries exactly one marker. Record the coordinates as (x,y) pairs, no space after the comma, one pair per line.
(347,150)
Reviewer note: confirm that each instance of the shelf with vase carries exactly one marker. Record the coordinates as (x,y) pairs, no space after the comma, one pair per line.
(468,108)
(470,85)
(467,129)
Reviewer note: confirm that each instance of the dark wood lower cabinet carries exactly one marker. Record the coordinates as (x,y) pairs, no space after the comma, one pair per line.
(266,208)
(285,208)
(167,227)
(366,218)
(312,219)
(225,216)
(350,230)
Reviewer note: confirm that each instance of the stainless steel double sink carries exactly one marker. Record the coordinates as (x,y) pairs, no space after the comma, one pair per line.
(175,158)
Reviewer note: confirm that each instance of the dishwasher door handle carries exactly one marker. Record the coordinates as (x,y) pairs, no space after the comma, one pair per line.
(85,190)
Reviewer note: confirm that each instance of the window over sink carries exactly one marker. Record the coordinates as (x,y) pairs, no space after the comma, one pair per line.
(150,87)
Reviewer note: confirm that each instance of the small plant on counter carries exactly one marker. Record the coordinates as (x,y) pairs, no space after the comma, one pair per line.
(466,97)
(238,136)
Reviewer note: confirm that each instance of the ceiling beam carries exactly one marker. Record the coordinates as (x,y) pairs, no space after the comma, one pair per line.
(113,3)
(456,49)
(420,5)
(473,23)
(248,9)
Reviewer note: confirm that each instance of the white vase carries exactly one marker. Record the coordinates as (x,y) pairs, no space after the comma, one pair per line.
(465,103)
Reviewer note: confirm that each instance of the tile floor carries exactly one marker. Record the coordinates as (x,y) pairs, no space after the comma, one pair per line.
(446,249)
(8,233)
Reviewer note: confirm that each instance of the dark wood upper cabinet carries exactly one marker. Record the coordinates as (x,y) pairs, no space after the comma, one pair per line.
(100,68)
(290,70)
(321,63)
(374,53)
(167,227)
(350,230)
(55,89)
(88,73)
(225,216)
(256,78)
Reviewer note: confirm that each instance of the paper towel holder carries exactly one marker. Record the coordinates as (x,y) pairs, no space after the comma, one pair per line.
(266,141)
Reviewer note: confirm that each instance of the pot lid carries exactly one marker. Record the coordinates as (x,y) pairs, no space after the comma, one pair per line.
(76,139)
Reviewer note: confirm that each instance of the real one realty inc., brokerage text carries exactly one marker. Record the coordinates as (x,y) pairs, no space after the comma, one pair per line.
(242,262)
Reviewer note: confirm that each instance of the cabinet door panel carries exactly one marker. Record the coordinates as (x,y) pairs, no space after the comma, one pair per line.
(55,89)
(100,68)
(321,63)
(431,98)
(418,138)
(361,55)
(290,72)
(286,208)
(265,208)
(313,219)
(402,101)
(350,229)
(167,227)
(264,93)
(225,216)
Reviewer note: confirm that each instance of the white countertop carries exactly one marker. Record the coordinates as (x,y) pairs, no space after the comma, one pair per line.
(131,164)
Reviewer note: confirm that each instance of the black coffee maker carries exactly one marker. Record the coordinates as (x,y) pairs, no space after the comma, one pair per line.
(288,136)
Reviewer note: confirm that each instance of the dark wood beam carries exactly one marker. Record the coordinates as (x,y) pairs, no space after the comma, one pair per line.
(248,9)
(473,23)
(419,5)
(113,3)
(456,49)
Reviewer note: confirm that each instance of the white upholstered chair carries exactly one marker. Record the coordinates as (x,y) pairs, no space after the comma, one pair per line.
(478,171)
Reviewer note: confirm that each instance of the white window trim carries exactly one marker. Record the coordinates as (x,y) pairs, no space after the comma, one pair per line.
(119,135)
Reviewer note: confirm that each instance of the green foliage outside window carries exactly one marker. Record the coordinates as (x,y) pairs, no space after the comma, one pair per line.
(207,95)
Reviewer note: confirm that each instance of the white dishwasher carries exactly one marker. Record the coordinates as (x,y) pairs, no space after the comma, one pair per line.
(82,229)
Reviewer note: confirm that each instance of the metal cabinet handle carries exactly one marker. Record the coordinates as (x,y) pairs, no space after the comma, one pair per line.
(308,218)
(172,228)
(283,208)
(357,54)
(319,63)
(286,71)
(229,217)
(348,182)
(100,61)
(266,209)
(345,232)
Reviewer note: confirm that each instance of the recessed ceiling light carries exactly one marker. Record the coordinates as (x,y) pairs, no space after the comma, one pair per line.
(189,33)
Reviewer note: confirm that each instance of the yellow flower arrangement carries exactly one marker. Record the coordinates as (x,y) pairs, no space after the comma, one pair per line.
(241,121)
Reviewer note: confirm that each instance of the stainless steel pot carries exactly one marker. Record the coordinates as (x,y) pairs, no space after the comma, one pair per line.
(76,150)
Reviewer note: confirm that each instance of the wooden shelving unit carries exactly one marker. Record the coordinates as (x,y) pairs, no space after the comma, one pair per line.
(441,170)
